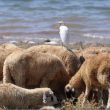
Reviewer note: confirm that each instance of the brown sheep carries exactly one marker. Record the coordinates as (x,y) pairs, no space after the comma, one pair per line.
(96,50)
(94,74)
(84,55)
(5,50)
(68,57)
(91,51)
(8,46)
(14,97)
(34,69)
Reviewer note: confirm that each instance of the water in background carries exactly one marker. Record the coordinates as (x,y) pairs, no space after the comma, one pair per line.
(36,20)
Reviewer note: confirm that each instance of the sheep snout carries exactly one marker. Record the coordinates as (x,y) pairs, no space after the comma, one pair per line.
(70,92)
(50,98)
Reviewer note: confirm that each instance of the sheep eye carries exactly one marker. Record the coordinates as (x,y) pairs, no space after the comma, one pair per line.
(51,98)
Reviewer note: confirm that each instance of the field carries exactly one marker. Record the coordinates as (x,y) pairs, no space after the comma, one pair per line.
(68,104)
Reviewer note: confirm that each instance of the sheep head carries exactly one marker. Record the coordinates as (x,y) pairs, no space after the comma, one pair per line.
(70,92)
(49,98)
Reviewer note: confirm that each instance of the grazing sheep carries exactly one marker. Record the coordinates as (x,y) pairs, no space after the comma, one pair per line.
(96,50)
(94,74)
(14,97)
(83,56)
(5,50)
(92,51)
(32,69)
(87,53)
(69,59)
(8,46)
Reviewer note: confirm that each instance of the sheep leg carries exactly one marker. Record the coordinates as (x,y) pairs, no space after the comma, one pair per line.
(7,78)
(101,99)
(108,103)
(87,92)
(6,75)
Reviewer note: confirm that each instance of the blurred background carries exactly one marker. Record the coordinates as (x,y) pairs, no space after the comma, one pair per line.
(37,20)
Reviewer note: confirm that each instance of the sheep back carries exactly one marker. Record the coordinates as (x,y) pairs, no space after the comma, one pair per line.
(69,58)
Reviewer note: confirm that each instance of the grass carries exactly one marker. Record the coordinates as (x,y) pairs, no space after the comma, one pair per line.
(68,105)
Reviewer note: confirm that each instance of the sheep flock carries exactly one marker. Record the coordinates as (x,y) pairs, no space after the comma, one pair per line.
(47,77)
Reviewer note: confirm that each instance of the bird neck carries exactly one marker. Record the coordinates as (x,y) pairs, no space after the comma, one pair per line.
(62,24)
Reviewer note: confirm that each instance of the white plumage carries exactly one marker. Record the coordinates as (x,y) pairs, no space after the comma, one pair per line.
(63,31)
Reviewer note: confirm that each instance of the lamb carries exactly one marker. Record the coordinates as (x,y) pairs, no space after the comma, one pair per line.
(31,69)
(94,74)
(5,50)
(14,97)
(69,59)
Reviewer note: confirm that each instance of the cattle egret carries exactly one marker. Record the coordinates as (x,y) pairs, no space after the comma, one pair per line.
(63,31)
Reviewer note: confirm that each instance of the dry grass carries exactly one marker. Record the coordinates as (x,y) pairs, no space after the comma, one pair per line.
(68,105)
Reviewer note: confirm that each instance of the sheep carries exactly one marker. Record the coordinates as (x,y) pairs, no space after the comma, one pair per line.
(14,97)
(8,46)
(83,55)
(96,50)
(30,69)
(93,74)
(5,50)
(90,52)
(68,57)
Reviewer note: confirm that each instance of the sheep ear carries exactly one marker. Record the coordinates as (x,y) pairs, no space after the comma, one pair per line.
(44,98)
(82,59)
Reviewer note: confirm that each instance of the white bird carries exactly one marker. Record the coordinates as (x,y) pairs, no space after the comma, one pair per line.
(63,31)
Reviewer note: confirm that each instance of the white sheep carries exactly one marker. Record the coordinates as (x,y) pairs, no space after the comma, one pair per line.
(5,50)
(31,69)
(14,97)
